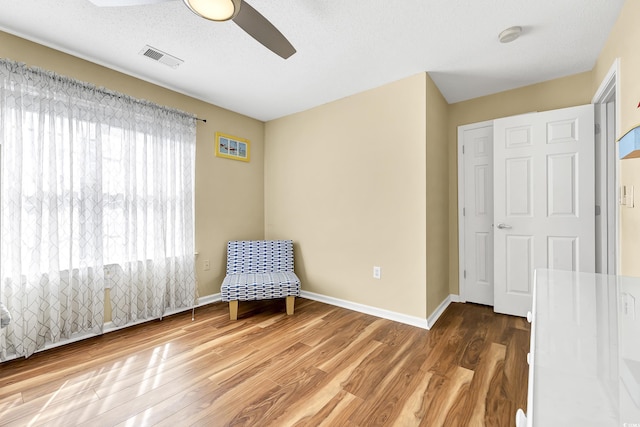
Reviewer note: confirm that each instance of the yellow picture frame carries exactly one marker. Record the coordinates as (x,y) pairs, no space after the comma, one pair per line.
(232,147)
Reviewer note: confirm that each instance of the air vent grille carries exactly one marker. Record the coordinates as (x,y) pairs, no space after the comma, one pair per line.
(153,54)
(160,56)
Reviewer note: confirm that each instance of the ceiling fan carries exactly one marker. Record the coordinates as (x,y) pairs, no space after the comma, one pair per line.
(239,11)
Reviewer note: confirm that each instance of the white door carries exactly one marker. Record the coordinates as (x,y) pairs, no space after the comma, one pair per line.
(478,213)
(544,208)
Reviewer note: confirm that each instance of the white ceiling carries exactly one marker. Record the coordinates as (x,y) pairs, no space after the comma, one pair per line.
(344,47)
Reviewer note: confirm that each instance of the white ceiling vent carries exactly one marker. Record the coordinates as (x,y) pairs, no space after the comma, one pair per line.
(160,56)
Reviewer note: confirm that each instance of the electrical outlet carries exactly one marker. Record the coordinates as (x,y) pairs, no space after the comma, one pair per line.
(626,196)
(376,272)
(628,305)
(207,266)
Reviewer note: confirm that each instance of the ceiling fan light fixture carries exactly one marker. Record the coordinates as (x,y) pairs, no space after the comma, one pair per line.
(214,10)
(510,34)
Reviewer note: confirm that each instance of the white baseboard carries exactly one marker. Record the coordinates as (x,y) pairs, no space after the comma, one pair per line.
(209,299)
(441,308)
(110,327)
(385,314)
(361,308)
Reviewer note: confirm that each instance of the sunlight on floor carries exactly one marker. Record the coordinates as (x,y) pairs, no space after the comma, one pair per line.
(47,404)
(157,365)
(9,402)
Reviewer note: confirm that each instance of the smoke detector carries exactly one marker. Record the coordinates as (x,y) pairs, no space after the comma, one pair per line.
(510,34)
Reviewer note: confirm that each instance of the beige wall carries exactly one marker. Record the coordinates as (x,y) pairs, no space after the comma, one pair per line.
(623,43)
(367,180)
(630,220)
(437,263)
(229,194)
(560,93)
(347,182)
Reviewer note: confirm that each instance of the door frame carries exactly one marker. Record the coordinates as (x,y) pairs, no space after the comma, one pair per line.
(609,90)
(461,201)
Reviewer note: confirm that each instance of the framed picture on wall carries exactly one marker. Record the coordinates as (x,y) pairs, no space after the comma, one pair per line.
(232,147)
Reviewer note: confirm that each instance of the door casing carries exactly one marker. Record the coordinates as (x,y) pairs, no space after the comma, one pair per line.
(609,91)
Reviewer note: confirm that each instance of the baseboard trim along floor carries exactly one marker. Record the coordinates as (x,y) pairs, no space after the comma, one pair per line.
(385,314)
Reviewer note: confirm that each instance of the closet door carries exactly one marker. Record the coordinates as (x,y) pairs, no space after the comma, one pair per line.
(544,207)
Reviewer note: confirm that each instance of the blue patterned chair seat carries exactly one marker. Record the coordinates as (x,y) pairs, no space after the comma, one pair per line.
(256,286)
(259,269)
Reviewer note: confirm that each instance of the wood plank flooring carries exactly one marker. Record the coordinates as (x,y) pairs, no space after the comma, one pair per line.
(323,366)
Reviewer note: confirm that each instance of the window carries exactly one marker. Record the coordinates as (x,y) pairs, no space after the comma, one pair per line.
(90,178)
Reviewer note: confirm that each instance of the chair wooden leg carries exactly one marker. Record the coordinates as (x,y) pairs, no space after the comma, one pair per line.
(233,310)
(291,300)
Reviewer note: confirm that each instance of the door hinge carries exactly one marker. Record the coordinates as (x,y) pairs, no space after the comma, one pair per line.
(463,149)
(597,128)
(465,274)
(464,211)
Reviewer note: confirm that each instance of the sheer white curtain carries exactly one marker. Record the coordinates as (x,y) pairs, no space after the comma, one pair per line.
(96,191)
(150,208)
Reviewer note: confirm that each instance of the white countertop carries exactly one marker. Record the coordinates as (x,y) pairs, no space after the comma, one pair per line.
(585,350)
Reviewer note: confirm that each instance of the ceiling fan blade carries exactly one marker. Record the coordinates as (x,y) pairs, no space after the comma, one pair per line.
(118,3)
(258,27)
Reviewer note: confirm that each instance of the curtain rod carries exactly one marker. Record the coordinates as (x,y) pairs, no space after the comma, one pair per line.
(12,65)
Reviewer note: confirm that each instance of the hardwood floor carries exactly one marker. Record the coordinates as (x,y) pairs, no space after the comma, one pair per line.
(322,366)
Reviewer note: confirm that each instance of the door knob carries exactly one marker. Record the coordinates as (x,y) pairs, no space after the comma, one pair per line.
(503,226)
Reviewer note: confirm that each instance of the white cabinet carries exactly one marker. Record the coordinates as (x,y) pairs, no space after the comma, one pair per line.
(584,362)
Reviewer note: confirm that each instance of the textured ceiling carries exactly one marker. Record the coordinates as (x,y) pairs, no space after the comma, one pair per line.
(344,47)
